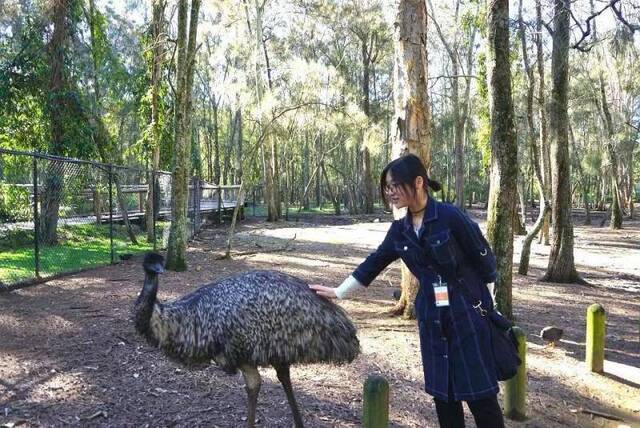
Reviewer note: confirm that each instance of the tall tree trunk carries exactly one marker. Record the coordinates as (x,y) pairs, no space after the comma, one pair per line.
(305,171)
(458,118)
(216,146)
(411,109)
(504,152)
(545,208)
(318,189)
(54,176)
(176,252)
(158,37)
(583,180)
(616,214)
(561,266)
(238,146)
(542,114)
(367,179)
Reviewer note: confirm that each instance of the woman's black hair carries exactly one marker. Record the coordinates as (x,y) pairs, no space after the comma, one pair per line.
(404,171)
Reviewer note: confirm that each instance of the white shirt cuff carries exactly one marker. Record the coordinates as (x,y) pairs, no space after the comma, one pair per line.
(348,286)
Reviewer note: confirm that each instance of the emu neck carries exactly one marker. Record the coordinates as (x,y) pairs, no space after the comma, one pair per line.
(144,304)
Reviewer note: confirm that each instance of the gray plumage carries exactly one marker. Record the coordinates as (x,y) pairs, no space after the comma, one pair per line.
(257,318)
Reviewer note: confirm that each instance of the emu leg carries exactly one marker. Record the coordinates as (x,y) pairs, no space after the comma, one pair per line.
(252,382)
(285,380)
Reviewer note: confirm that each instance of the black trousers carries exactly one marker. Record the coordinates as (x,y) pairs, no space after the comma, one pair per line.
(486,412)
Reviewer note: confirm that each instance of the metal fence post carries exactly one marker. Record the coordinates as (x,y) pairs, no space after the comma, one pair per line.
(36,220)
(111,211)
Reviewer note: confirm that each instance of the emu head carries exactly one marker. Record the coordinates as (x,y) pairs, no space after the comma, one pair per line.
(153,264)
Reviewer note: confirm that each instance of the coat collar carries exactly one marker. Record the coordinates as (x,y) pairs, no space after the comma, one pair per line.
(430,214)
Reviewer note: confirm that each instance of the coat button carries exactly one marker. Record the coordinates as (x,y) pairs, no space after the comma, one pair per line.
(405,248)
(445,356)
(437,242)
(436,322)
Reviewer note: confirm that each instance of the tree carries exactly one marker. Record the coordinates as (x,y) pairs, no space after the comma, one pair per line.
(504,151)
(412,119)
(535,150)
(158,36)
(176,252)
(542,114)
(561,267)
(101,137)
(57,88)
(460,107)
(616,213)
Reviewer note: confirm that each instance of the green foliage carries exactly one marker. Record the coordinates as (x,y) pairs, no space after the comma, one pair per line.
(14,203)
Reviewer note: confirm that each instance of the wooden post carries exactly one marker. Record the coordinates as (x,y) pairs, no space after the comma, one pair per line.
(375,406)
(595,338)
(515,389)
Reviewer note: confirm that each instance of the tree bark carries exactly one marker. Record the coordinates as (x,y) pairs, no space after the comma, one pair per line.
(545,208)
(504,152)
(368,45)
(54,176)
(176,252)
(158,40)
(616,214)
(542,114)
(411,109)
(561,266)
(458,118)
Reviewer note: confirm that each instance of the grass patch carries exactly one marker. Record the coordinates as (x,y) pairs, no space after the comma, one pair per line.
(79,247)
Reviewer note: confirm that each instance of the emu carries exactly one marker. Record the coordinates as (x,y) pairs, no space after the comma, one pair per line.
(254,319)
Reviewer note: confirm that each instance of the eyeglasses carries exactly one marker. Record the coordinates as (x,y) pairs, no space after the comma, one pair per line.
(390,188)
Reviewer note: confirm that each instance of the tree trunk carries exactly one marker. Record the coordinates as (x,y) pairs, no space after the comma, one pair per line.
(616,214)
(542,113)
(54,177)
(412,119)
(305,171)
(158,40)
(504,152)
(238,145)
(458,118)
(561,266)
(176,252)
(216,148)
(366,156)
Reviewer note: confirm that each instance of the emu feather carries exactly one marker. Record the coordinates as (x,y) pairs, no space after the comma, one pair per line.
(257,318)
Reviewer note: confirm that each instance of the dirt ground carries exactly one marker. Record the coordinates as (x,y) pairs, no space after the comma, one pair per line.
(69,355)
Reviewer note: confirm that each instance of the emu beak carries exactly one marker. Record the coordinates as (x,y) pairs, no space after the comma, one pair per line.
(155,268)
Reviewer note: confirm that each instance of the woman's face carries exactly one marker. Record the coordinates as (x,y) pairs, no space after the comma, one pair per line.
(397,194)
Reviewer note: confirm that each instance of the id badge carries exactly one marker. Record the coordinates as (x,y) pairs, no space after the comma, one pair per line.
(441,293)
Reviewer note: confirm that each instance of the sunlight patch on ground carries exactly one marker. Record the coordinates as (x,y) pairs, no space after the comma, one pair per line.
(575,377)
(358,235)
(60,386)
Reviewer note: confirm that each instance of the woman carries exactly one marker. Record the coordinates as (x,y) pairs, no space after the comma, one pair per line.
(445,250)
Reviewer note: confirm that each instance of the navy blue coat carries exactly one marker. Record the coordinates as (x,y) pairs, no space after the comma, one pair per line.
(454,340)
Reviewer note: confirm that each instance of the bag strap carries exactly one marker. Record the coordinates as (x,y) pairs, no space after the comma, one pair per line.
(461,286)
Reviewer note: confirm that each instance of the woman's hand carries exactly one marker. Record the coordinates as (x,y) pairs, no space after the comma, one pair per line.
(322,291)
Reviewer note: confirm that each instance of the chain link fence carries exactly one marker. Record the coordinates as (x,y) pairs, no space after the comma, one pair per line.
(61,215)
